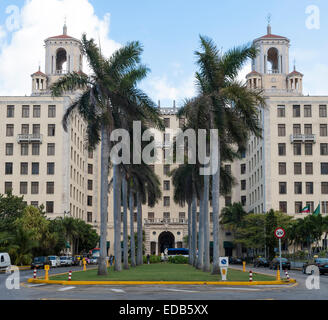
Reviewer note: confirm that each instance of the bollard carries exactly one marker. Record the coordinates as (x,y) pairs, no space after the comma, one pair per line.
(46,268)
(278,274)
(84,265)
(244,266)
(107,263)
(70,276)
(287,275)
(250,276)
(34,273)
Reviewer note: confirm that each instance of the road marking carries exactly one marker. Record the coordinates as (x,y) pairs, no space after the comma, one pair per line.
(36,285)
(244,289)
(66,288)
(118,290)
(178,290)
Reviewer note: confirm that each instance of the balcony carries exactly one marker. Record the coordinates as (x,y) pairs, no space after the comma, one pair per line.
(303,138)
(29,138)
(166,221)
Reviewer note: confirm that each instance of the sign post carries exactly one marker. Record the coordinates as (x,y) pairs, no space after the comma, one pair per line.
(224,264)
(280,233)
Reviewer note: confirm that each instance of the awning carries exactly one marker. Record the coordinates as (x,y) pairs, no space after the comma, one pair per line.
(228,244)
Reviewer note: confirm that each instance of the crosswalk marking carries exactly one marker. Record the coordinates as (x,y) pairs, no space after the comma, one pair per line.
(66,288)
(179,290)
(117,290)
(36,285)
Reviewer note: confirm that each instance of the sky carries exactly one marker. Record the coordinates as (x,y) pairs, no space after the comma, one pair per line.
(169,31)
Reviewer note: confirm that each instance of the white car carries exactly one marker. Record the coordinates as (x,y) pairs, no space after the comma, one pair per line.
(55,261)
(4,261)
(66,261)
(94,260)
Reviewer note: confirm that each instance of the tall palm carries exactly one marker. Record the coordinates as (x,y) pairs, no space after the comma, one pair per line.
(109,95)
(125,223)
(233,108)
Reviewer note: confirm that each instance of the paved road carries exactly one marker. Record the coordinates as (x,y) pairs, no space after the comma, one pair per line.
(156,292)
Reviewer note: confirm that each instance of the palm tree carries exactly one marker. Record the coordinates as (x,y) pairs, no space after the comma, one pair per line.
(132,242)
(232,109)
(110,96)
(125,224)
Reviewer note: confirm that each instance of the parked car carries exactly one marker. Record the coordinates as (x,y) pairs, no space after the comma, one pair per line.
(261,262)
(321,263)
(233,260)
(94,260)
(40,262)
(76,260)
(65,261)
(54,261)
(4,261)
(275,264)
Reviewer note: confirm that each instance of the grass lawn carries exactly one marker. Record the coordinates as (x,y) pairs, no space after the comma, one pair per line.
(161,272)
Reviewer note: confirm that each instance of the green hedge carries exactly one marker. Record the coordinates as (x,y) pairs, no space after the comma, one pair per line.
(153,259)
(178,260)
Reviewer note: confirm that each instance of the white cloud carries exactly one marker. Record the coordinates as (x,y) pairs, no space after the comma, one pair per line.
(22,51)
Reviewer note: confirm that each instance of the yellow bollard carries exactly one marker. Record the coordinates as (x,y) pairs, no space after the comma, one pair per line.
(107,263)
(46,269)
(84,265)
(244,266)
(278,274)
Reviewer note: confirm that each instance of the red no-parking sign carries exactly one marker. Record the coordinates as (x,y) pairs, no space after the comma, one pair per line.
(279,233)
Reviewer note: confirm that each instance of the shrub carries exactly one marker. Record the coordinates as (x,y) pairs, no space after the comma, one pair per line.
(153,259)
(178,260)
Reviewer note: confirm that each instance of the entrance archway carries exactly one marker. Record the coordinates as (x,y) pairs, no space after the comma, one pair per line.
(165,241)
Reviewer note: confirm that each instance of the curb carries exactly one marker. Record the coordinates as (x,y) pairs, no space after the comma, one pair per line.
(218,283)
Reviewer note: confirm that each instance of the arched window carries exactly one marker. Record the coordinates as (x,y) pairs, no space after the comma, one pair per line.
(61,61)
(273,59)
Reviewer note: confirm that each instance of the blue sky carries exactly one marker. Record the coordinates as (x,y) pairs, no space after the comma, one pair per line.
(169,32)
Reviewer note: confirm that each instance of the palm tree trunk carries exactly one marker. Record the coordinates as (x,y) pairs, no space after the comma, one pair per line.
(132,242)
(194,230)
(190,236)
(200,235)
(125,225)
(206,263)
(117,218)
(140,233)
(102,267)
(216,217)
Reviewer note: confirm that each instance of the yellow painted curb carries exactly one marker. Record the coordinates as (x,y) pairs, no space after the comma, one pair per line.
(226,283)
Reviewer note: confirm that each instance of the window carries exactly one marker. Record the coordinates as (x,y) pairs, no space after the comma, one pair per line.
(281,130)
(311,205)
(228,201)
(34,187)
(282,149)
(166,201)
(309,187)
(182,216)
(10,130)
(243,201)
(10,111)
(36,111)
(51,149)
(50,187)
(298,207)
(324,206)
(151,216)
(90,154)
(283,206)
(324,187)
(297,149)
(36,129)
(51,111)
(35,168)
(9,149)
(50,207)
(51,130)
(297,168)
(167,122)
(90,185)
(323,130)
(167,185)
(282,187)
(23,188)
(8,187)
(90,169)
(308,149)
(35,204)
(25,111)
(182,122)
(324,149)
(24,168)
(167,169)
(89,201)
(323,111)
(308,111)
(25,129)
(324,168)
(242,168)
(243,184)
(89,217)
(296,111)
(308,168)
(228,168)
(296,129)
(50,168)
(308,129)
(9,168)
(298,187)
(281,112)
(166,215)
(282,167)
(35,149)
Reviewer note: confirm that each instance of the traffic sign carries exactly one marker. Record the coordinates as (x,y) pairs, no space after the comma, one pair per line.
(223,262)
(279,233)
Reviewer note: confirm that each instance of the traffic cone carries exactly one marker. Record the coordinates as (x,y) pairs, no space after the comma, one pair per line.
(70,276)
(34,273)
(250,276)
